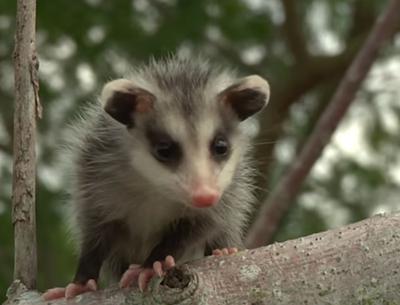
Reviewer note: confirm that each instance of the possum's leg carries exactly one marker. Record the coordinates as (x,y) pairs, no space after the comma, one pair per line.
(94,250)
(180,236)
(86,276)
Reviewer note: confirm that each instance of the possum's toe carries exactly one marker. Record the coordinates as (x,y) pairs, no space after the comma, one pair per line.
(74,289)
(130,276)
(137,274)
(54,293)
(144,278)
(70,291)
(224,251)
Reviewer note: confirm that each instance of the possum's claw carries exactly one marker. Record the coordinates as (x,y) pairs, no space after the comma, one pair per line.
(224,251)
(70,291)
(145,277)
(142,276)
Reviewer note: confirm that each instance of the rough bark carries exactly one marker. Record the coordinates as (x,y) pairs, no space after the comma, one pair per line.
(26,107)
(281,199)
(356,264)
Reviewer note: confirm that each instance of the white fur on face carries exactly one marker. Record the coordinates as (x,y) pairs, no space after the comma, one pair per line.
(160,177)
(197,166)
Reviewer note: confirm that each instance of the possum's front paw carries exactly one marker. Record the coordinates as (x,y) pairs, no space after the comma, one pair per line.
(72,290)
(142,276)
(224,251)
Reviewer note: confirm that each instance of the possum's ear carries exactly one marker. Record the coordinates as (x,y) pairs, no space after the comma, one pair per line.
(121,99)
(247,96)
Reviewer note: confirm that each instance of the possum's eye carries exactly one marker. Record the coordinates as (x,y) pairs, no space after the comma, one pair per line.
(167,151)
(220,148)
(163,147)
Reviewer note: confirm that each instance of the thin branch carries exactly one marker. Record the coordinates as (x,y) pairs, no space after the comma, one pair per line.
(292,27)
(318,70)
(283,196)
(26,108)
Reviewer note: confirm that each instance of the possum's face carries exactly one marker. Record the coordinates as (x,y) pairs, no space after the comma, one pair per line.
(186,136)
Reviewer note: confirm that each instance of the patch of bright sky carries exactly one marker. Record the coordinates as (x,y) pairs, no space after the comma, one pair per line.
(148,15)
(50,176)
(326,207)
(63,49)
(93,2)
(350,139)
(51,73)
(86,77)
(169,2)
(397,40)
(96,34)
(2,207)
(119,64)
(213,10)
(5,22)
(4,136)
(389,203)
(274,7)
(7,76)
(349,186)
(4,49)
(6,162)
(326,41)
(253,54)
(57,111)
(185,50)
(285,151)
(213,33)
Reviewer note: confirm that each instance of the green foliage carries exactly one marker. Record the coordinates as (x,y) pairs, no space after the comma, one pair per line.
(82,44)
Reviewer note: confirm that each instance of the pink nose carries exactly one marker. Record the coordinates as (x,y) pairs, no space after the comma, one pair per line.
(205,197)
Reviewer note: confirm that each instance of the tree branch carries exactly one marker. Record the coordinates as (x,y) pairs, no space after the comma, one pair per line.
(292,27)
(281,199)
(26,107)
(356,264)
(319,69)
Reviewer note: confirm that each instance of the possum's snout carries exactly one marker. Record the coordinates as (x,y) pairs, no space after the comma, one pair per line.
(204,196)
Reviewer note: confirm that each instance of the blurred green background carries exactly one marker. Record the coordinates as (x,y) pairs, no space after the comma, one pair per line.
(301,47)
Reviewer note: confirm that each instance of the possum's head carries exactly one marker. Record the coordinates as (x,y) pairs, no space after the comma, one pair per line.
(185,120)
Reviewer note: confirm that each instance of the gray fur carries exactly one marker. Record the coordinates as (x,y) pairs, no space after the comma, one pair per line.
(108,187)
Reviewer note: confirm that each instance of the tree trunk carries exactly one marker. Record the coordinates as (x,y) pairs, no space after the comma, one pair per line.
(356,264)
(26,107)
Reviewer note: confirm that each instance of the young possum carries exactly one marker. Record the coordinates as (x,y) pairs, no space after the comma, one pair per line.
(162,170)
